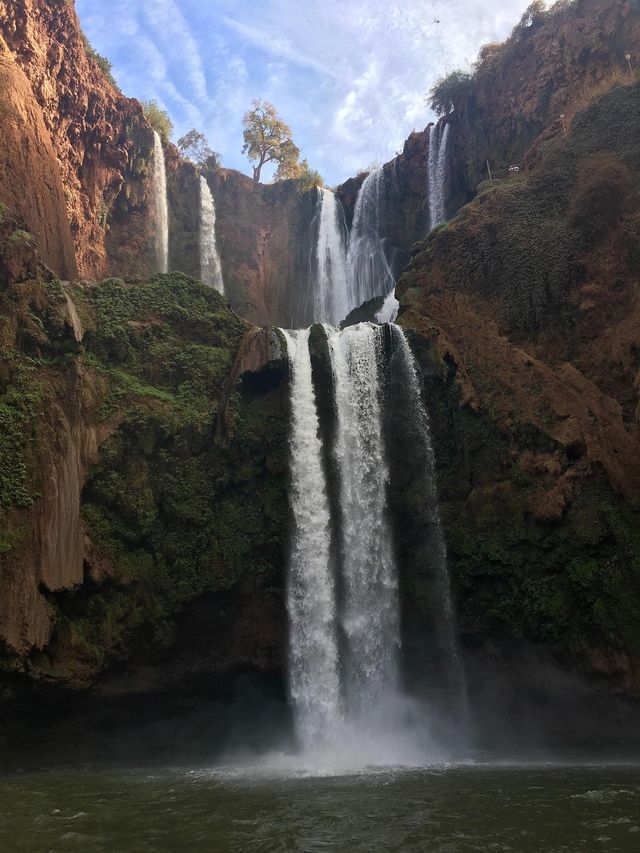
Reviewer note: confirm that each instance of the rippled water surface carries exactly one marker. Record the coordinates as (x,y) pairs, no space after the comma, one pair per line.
(466,808)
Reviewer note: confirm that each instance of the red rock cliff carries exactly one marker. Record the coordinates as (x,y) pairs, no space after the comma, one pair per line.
(76,148)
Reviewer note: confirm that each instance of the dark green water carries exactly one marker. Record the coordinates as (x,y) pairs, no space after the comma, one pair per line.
(481,808)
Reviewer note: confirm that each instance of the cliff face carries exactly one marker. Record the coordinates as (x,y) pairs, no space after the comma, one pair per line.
(264,236)
(526,320)
(137,479)
(100,142)
(29,161)
(553,65)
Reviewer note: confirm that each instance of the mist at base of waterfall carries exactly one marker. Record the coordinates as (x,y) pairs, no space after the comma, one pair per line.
(398,732)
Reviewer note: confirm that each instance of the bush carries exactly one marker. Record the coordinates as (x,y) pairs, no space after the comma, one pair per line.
(450,91)
(603,194)
(159,120)
(101,61)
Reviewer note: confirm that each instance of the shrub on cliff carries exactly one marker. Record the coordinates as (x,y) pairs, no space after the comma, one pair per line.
(101,61)
(450,91)
(159,120)
(603,194)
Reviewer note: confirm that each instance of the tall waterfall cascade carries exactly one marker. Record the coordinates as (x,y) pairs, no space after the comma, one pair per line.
(437,173)
(210,268)
(370,618)
(368,271)
(160,204)
(343,587)
(314,684)
(330,292)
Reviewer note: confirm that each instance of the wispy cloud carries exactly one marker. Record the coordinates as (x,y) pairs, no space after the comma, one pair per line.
(349,77)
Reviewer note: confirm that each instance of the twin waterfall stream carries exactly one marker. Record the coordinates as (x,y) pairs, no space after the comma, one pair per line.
(343,597)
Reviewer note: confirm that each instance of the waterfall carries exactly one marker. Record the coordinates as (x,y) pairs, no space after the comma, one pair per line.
(343,601)
(370,592)
(210,269)
(369,274)
(314,684)
(437,173)
(160,203)
(417,436)
(330,292)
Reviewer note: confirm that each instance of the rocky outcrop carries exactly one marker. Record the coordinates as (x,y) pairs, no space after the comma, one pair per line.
(525,321)
(30,181)
(100,140)
(553,64)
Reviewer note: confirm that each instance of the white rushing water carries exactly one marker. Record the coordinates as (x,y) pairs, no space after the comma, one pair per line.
(437,173)
(160,203)
(330,292)
(368,271)
(424,463)
(369,615)
(210,269)
(344,619)
(314,683)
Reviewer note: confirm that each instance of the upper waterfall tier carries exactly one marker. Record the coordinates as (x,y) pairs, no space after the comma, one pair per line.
(160,203)
(210,268)
(438,173)
(368,270)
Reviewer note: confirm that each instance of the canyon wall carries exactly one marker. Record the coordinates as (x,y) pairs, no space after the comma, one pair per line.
(89,145)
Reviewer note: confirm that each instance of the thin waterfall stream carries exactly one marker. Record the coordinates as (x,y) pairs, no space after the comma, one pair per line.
(368,271)
(210,268)
(160,204)
(437,173)
(330,293)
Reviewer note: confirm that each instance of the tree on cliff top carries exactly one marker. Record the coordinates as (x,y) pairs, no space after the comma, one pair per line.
(267,139)
(449,91)
(195,146)
(301,172)
(159,120)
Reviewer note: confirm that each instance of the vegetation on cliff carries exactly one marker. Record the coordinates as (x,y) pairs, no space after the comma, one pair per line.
(170,512)
(525,314)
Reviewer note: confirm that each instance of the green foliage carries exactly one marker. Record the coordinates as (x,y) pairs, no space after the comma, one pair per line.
(3,211)
(101,61)
(21,238)
(159,120)
(574,584)
(306,177)
(605,190)
(267,139)
(450,91)
(19,403)
(195,146)
(175,511)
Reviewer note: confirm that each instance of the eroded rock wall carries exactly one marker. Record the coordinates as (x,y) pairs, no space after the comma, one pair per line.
(101,141)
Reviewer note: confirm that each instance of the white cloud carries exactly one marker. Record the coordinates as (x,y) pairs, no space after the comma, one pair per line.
(350,77)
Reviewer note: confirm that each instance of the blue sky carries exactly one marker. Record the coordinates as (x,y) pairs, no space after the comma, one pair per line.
(348,76)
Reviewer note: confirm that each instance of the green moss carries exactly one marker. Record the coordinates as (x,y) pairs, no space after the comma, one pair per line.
(20,402)
(20,238)
(173,511)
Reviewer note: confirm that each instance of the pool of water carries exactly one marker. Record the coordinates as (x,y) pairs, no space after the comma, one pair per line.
(473,807)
